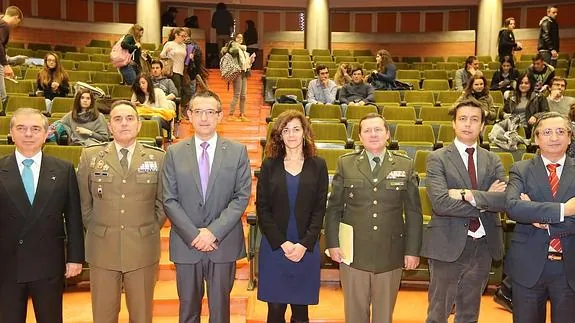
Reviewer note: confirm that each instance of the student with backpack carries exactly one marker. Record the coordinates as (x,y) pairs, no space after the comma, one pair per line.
(125,54)
(239,53)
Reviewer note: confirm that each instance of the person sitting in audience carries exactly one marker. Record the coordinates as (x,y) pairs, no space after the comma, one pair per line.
(542,72)
(524,102)
(85,125)
(163,83)
(52,80)
(505,79)
(358,92)
(342,75)
(478,92)
(464,74)
(384,77)
(556,100)
(145,95)
(131,43)
(321,90)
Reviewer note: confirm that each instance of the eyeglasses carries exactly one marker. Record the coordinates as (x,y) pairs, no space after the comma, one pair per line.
(209,112)
(377,131)
(560,132)
(34,129)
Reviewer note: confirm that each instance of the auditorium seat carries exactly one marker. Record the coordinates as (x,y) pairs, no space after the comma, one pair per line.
(325,113)
(320,59)
(399,115)
(414,137)
(289,91)
(6,150)
(362,52)
(422,66)
(507,160)
(68,153)
(19,51)
(331,135)
(447,98)
(79,76)
(363,59)
(300,51)
(305,75)
(435,85)
(4,129)
(434,59)
(301,65)
(61,106)
(70,65)
(369,66)
(122,92)
(420,165)
(435,116)
(354,113)
(277,57)
(408,74)
(382,98)
(106,77)
(438,74)
(411,59)
(90,66)
(344,59)
(102,58)
(419,98)
(99,43)
(274,64)
(301,58)
(446,134)
(288,83)
(279,51)
(150,133)
(320,52)
(77,56)
(22,88)
(276,72)
(447,66)
(15,102)
(527,156)
(331,157)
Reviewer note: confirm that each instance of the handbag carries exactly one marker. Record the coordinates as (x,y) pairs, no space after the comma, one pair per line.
(229,68)
(168,65)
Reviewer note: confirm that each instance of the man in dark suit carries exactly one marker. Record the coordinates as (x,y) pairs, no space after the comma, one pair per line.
(465,184)
(541,199)
(372,191)
(41,234)
(207,185)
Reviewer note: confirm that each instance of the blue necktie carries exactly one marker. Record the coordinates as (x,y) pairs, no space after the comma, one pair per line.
(28,179)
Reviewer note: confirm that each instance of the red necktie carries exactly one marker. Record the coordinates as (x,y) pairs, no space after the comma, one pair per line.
(473,222)
(554,184)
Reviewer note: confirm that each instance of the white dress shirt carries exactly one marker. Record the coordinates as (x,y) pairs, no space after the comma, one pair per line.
(211,148)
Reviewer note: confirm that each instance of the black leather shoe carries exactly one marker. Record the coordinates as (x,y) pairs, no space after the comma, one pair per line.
(503,300)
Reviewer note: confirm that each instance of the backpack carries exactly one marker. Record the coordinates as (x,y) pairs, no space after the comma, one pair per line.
(229,68)
(119,56)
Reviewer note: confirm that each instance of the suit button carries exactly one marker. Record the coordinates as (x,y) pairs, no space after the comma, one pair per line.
(20,241)
(374,202)
(99,179)
(375,227)
(123,196)
(375,180)
(375,215)
(351,186)
(122,211)
(122,227)
(375,189)
(123,181)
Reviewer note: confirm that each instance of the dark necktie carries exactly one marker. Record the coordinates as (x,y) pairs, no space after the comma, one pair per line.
(554,184)
(375,169)
(473,222)
(124,160)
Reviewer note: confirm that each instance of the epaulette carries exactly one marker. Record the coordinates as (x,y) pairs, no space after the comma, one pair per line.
(97,144)
(352,153)
(400,154)
(153,147)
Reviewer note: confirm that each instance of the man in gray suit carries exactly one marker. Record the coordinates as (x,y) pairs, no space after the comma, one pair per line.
(206,236)
(465,184)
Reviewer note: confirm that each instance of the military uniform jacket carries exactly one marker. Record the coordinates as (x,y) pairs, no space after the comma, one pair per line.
(122,213)
(375,207)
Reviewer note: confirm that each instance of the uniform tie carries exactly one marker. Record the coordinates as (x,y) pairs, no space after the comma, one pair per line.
(473,222)
(555,243)
(28,179)
(124,160)
(204,168)
(375,169)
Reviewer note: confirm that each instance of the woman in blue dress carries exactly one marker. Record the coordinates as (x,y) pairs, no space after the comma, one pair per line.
(291,200)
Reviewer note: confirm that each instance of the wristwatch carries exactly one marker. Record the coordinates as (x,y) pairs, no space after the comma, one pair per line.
(463,194)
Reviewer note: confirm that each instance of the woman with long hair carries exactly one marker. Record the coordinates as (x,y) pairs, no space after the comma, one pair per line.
(384,77)
(145,94)
(85,125)
(505,78)
(342,75)
(131,43)
(524,102)
(291,197)
(52,80)
(175,50)
(238,50)
(477,90)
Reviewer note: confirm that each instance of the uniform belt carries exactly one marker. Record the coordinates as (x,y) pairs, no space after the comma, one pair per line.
(555,256)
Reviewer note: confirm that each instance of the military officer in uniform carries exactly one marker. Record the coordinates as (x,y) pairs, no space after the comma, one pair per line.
(371,191)
(122,210)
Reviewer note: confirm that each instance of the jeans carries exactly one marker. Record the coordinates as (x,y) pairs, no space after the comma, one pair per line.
(240,89)
(129,73)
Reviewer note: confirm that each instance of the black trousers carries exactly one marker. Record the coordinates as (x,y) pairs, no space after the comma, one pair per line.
(46,297)
(276,313)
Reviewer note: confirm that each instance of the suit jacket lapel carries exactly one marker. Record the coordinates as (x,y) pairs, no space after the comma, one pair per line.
(137,159)
(455,158)
(10,178)
(46,181)
(219,155)
(567,179)
(364,166)
(481,169)
(193,157)
(539,172)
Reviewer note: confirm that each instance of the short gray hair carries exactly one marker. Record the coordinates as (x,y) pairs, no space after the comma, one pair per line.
(29,111)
